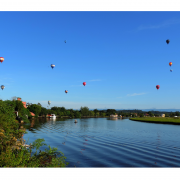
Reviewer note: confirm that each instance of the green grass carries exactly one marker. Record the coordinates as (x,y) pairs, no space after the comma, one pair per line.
(171,120)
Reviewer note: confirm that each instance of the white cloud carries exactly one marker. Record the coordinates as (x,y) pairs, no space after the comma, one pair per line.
(161,25)
(136,94)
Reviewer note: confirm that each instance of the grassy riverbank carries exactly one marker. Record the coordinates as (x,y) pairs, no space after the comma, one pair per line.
(170,120)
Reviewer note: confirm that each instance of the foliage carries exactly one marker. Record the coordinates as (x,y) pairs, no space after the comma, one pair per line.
(23,113)
(36,109)
(84,111)
(43,111)
(77,114)
(95,111)
(141,115)
(19,105)
(20,156)
(110,111)
(91,113)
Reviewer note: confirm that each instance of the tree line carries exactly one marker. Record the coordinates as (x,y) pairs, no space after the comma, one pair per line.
(38,110)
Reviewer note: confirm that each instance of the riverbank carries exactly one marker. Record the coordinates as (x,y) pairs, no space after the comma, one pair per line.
(165,120)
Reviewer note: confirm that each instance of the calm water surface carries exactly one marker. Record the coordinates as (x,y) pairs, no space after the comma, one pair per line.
(103,142)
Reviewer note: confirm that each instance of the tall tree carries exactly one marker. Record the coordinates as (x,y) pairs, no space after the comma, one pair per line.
(84,111)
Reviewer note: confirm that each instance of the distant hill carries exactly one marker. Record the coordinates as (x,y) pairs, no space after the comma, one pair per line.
(161,110)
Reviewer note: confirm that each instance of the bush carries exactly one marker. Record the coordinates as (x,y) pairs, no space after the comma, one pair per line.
(21,157)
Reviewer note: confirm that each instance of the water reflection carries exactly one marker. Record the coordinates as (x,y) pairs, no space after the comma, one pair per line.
(109,142)
(113,118)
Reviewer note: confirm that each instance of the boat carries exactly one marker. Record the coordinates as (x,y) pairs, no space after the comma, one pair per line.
(75,121)
(114,116)
(52,116)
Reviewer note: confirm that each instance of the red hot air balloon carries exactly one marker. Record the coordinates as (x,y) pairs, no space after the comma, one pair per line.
(84,83)
(170,63)
(1,59)
(157,87)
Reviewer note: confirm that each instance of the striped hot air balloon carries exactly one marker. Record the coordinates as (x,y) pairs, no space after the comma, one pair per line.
(1,59)
(66,91)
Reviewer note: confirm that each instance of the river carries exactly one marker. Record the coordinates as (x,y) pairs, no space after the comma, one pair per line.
(104,142)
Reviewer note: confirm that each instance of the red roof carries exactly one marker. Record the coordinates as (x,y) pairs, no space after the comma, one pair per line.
(32,114)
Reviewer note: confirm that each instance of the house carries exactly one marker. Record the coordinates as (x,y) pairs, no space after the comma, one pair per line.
(162,115)
(24,103)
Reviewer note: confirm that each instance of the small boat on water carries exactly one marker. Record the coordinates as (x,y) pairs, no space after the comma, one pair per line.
(75,121)
(52,116)
(114,116)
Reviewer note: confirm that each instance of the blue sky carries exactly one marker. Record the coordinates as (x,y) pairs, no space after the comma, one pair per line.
(121,56)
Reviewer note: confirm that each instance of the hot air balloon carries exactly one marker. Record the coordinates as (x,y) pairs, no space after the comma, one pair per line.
(170,63)
(157,87)
(1,59)
(2,87)
(65,41)
(49,102)
(84,83)
(171,70)
(66,91)
(52,65)
(167,41)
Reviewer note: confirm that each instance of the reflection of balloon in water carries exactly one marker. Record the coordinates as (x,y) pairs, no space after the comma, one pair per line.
(49,102)
(170,63)
(158,86)
(66,91)
(167,41)
(1,59)
(171,70)
(65,41)
(84,83)
(2,87)
(52,65)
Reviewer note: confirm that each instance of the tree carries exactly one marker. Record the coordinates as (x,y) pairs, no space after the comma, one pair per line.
(95,111)
(43,111)
(91,113)
(172,114)
(103,114)
(110,111)
(150,114)
(84,111)
(68,113)
(39,104)
(177,113)
(36,109)
(77,114)
(71,114)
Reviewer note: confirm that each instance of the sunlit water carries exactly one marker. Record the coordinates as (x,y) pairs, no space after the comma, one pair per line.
(101,142)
